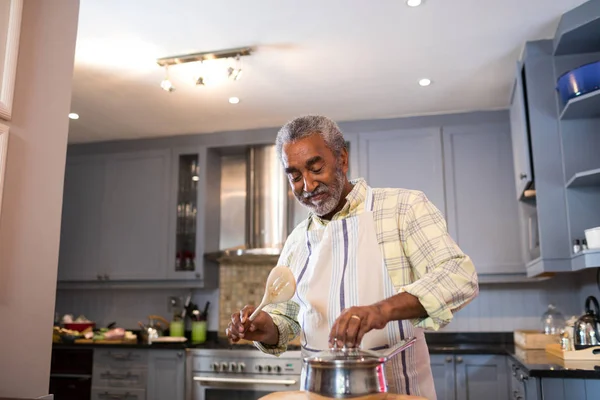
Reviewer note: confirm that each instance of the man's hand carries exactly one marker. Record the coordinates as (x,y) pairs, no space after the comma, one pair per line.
(262,329)
(354,323)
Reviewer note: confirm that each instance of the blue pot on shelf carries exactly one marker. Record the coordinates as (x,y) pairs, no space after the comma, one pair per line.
(579,81)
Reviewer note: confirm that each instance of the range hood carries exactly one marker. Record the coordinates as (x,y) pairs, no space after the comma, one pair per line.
(267,208)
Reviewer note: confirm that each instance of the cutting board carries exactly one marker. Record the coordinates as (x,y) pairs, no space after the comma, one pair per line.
(311,396)
(589,354)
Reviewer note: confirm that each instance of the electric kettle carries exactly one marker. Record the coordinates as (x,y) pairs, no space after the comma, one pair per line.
(586,331)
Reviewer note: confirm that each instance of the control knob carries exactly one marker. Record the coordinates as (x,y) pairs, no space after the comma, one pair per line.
(232,367)
(268,368)
(241,367)
(277,369)
(215,367)
(224,366)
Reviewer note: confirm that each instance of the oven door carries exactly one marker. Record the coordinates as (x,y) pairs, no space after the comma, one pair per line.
(236,387)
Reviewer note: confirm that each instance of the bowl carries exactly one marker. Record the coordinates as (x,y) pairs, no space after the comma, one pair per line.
(592,237)
(80,326)
(579,81)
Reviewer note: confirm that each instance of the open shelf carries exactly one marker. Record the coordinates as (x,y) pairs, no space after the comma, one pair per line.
(579,30)
(586,259)
(585,106)
(585,179)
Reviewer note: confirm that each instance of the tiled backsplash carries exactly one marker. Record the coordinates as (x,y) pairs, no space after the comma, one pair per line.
(240,284)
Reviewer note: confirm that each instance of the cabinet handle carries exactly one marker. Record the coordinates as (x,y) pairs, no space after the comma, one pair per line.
(99,276)
(523,176)
(448,359)
(118,356)
(459,360)
(179,354)
(106,276)
(118,377)
(117,396)
(197,276)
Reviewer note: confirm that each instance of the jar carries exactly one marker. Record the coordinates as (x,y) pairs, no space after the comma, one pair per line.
(553,321)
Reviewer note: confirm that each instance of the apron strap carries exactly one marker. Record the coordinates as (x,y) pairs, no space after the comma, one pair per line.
(369,200)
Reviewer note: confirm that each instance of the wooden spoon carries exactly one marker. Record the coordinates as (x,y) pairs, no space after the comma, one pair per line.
(280,287)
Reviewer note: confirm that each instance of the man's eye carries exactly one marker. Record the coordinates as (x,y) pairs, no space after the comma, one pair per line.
(295,178)
(318,170)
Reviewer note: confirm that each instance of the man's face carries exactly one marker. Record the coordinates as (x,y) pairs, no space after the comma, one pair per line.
(316,175)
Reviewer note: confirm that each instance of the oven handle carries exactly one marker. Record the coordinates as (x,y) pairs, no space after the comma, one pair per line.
(285,382)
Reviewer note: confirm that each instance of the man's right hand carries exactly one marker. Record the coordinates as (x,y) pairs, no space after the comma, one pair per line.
(262,329)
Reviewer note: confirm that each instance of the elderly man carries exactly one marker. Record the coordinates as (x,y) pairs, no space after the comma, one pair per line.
(373,266)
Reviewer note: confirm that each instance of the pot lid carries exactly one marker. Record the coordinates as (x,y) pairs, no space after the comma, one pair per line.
(357,356)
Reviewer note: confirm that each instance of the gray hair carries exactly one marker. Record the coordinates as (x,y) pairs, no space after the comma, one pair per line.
(307,125)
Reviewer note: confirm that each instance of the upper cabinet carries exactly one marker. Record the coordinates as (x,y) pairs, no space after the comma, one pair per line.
(135,216)
(132,217)
(519,125)
(81,227)
(405,158)
(482,215)
(467,172)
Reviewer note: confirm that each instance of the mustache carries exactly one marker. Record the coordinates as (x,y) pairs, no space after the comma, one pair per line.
(322,188)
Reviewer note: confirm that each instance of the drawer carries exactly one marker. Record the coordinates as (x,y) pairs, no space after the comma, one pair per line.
(120,358)
(72,361)
(118,394)
(121,378)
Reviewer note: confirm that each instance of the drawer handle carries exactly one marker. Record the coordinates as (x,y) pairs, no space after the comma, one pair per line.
(125,395)
(119,377)
(119,356)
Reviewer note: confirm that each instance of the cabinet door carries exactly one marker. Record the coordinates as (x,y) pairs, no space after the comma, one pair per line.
(482,215)
(135,232)
(406,158)
(442,368)
(520,135)
(166,375)
(481,377)
(81,226)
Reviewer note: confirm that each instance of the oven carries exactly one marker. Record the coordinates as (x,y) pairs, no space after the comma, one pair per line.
(240,374)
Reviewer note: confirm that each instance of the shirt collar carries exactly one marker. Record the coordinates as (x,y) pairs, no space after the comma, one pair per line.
(354,200)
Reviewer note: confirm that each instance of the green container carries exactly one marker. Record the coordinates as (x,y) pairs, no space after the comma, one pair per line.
(198,331)
(177,329)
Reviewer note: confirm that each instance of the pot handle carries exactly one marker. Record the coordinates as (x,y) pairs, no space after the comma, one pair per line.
(592,300)
(397,348)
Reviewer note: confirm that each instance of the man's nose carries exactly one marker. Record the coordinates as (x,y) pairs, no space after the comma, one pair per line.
(309,184)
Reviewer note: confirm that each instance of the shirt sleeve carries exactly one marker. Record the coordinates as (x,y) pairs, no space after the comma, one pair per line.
(284,315)
(445,277)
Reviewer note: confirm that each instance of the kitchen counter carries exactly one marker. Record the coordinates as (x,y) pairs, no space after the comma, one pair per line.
(539,364)
(536,362)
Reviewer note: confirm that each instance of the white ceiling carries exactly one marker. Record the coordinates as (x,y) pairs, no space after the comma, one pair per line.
(348,59)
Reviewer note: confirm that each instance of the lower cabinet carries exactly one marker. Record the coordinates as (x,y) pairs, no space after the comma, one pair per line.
(138,374)
(469,377)
(166,375)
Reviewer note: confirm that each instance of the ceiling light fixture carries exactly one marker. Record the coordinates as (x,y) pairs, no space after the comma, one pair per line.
(425,82)
(234,100)
(414,3)
(166,83)
(233,72)
(73,115)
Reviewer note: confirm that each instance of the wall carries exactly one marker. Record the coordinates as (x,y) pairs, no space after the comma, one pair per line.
(31,208)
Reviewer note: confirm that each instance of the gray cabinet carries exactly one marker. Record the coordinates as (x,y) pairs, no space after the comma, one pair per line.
(134,229)
(405,158)
(466,377)
(442,369)
(483,217)
(81,227)
(481,377)
(166,375)
(119,374)
(523,172)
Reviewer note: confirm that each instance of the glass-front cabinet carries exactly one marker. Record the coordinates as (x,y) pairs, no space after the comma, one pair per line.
(185,255)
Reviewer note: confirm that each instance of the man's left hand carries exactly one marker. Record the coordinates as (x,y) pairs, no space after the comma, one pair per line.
(355,322)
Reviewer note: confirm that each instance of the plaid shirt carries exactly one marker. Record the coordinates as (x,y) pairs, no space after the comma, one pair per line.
(420,256)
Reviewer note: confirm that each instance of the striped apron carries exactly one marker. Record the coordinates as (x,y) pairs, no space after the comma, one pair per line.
(341,266)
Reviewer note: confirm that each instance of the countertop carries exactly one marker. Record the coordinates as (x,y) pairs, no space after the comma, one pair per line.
(535,362)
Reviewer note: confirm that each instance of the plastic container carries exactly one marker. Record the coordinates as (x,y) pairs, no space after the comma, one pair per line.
(176,329)
(592,237)
(579,81)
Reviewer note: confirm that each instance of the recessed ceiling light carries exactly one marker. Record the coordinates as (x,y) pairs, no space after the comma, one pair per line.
(234,100)
(414,3)
(73,116)
(425,82)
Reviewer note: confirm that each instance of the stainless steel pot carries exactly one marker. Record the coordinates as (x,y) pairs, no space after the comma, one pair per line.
(344,373)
